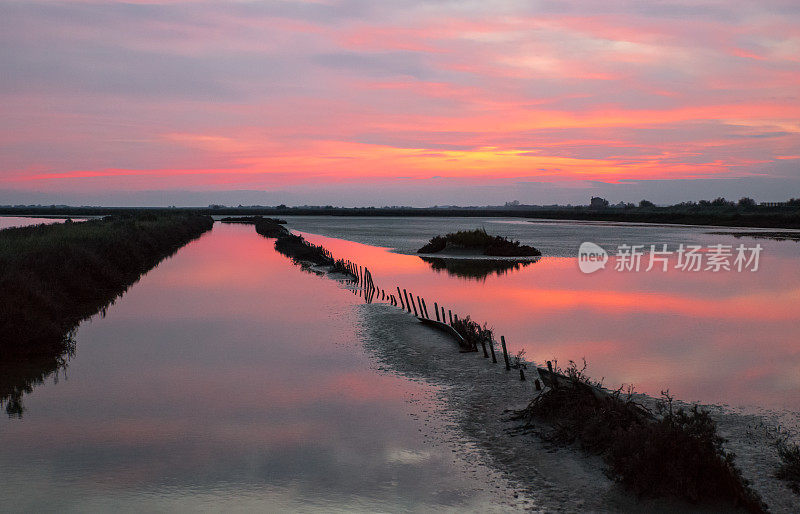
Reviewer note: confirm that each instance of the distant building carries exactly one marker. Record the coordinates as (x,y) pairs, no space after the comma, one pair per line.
(773,204)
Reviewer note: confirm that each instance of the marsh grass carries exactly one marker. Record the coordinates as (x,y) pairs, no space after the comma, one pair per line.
(299,249)
(479,239)
(675,453)
(54,276)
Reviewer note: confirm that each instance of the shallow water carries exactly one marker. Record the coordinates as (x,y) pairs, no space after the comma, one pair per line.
(726,338)
(24,221)
(228,379)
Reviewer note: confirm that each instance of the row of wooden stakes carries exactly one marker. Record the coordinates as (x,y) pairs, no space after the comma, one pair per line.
(406,301)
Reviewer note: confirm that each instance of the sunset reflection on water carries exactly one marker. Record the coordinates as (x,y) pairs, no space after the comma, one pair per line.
(229,379)
(726,337)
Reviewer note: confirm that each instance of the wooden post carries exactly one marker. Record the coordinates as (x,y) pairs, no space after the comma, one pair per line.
(549,366)
(424,306)
(443,318)
(491,347)
(505,352)
(408,305)
(419,303)
(450,313)
(521,373)
(436,309)
(402,305)
(537,384)
(483,344)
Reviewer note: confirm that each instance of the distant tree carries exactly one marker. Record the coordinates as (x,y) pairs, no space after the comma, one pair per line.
(598,203)
(793,201)
(704,203)
(746,202)
(720,202)
(646,204)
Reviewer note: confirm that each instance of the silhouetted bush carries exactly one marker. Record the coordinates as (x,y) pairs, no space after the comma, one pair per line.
(472,332)
(677,453)
(479,239)
(340,266)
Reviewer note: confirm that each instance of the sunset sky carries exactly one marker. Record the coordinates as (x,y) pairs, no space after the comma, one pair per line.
(412,102)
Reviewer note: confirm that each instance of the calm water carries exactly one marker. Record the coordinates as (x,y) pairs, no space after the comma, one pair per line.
(228,379)
(19,221)
(727,337)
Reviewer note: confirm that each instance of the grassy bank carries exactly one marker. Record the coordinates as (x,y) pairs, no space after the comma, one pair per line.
(55,276)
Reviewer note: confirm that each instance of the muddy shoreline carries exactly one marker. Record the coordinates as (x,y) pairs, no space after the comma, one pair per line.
(478,393)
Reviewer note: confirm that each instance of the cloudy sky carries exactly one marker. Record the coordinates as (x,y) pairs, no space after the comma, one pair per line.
(413,102)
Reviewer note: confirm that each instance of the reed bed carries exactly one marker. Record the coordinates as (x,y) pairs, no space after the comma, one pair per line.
(54,276)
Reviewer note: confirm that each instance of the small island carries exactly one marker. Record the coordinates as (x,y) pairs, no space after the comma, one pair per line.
(478,242)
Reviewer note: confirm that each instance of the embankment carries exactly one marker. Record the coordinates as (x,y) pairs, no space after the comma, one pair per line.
(55,276)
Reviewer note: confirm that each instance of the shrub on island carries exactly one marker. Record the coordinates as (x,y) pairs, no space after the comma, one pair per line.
(479,242)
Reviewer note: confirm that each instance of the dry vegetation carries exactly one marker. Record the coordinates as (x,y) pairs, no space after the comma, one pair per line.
(675,453)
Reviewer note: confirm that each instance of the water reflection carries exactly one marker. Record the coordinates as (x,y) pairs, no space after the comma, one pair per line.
(710,337)
(22,221)
(19,375)
(227,379)
(475,269)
